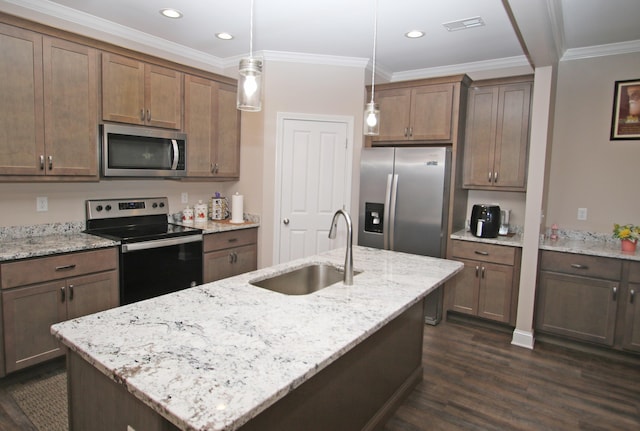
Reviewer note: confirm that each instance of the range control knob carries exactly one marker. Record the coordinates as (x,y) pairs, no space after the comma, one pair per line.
(154,205)
(99,208)
(161,204)
(108,208)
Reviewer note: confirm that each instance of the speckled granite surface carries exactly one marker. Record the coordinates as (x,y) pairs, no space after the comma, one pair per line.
(214,356)
(44,245)
(511,241)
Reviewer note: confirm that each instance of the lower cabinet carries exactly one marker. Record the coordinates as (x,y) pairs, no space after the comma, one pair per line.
(487,286)
(589,298)
(229,253)
(36,293)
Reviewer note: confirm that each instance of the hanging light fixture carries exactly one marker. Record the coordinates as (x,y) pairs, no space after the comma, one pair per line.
(250,78)
(371,110)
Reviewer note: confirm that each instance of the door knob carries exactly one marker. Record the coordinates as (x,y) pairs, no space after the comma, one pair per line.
(285,221)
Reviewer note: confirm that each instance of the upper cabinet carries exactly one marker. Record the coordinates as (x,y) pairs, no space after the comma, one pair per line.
(135,92)
(212,124)
(497,135)
(419,113)
(49,108)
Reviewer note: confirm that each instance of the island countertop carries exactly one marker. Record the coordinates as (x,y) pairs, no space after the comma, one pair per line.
(214,356)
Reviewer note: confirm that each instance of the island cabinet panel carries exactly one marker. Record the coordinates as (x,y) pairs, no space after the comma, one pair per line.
(631,339)
(135,92)
(37,293)
(422,113)
(49,108)
(487,287)
(212,124)
(497,136)
(229,253)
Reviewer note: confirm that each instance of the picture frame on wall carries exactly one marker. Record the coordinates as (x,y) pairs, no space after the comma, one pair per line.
(625,122)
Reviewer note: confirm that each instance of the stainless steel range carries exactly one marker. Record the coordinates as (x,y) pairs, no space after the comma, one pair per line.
(156,257)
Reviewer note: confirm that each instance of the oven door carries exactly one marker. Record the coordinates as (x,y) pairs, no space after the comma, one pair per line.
(152,268)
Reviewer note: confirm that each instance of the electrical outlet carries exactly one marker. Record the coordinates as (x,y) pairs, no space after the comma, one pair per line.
(42,203)
(582,213)
(184,197)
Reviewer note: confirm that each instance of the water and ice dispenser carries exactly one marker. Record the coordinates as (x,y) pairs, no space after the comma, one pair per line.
(373,217)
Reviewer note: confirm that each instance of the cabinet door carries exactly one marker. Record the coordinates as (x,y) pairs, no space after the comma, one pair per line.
(21,108)
(227,158)
(122,89)
(464,289)
(512,136)
(632,319)
(200,125)
(496,286)
(579,307)
(92,293)
(70,108)
(395,105)
(479,149)
(227,263)
(163,97)
(28,313)
(431,112)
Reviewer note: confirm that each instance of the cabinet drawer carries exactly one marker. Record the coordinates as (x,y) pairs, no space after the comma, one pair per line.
(30,271)
(485,252)
(579,264)
(634,272)
(234,238)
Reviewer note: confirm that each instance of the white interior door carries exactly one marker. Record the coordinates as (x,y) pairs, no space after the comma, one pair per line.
(314,183)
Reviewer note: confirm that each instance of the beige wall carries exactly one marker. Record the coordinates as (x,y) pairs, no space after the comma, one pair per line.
(587,169)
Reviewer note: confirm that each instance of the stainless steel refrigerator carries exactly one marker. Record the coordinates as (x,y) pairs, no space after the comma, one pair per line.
(404,202)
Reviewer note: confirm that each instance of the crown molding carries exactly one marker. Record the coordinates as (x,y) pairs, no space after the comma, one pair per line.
(628,47)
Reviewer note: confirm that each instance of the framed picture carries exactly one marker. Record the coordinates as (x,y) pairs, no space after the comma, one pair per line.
(625,122)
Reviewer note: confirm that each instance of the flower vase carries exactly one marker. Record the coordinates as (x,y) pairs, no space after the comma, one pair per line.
(629,246)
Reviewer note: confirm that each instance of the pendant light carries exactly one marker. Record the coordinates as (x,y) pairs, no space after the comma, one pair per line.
(250,78)
(371,110)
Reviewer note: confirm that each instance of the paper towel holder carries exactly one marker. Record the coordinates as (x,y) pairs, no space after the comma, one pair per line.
(237,210)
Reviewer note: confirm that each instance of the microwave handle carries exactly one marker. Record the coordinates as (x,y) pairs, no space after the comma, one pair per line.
(176,154)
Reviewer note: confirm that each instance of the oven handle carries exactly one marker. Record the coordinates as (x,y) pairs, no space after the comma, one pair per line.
(157,243)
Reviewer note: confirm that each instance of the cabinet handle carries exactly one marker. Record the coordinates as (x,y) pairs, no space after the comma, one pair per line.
(615,292)
(62,294)
(231,257)
(232,240)
(490,176)
(148,114)
(65,267)
(477,269)
(482,253)
(50,159)
(410,132)
(71,292)
(632,295)
(495,177)
(482,276)
(142,115)
(235,257)
(406,132)
(215,168)
(579,266)
(42,162)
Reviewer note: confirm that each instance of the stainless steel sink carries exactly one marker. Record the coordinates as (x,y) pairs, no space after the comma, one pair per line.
(304,280)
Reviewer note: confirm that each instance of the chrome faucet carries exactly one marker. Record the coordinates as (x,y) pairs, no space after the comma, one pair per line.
(348,259)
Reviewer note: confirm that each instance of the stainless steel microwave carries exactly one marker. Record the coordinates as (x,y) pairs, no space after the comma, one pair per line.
(131,151)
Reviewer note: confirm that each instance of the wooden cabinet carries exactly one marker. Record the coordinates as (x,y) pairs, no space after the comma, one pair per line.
(212,124)
(631,317)
(497,136)
(37,293)
(229,253)
(49,108)
(140,93)
(421,113)
(487,286)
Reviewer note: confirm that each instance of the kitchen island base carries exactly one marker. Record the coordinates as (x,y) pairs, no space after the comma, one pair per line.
(358,391)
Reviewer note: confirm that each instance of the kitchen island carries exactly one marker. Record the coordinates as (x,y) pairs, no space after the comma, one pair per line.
(229,355)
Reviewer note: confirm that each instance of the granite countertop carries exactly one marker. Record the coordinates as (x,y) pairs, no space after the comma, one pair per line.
(511,241)
(215,226)
(44,245)
(589,247)
(214,356)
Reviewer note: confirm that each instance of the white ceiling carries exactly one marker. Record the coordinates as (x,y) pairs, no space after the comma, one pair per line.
(342,30)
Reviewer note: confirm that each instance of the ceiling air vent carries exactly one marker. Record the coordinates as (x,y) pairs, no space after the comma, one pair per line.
(463,24)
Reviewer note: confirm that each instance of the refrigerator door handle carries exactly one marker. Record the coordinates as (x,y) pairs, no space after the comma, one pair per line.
(387,207)
(392,211)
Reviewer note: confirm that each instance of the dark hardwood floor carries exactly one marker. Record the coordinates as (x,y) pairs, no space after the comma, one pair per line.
(474,379)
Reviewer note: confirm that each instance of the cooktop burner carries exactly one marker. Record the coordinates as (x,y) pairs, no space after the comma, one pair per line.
(143,232)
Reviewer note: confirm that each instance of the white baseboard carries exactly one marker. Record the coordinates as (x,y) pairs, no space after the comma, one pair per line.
(523,339)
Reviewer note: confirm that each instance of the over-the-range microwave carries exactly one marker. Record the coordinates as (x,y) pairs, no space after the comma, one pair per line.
(132,151)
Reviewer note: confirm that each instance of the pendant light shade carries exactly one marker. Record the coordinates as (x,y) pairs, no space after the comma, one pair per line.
(249,96)
(371,110)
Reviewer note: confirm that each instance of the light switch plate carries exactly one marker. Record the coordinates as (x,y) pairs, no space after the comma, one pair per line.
(582,213)
(42,203)
(184,198)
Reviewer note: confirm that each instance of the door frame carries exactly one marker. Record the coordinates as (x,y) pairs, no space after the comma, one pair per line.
(280,121)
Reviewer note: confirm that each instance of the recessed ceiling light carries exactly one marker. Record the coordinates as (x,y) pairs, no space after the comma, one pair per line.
(224,36)
(171,13)
(414,34)
(463,24)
